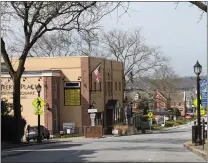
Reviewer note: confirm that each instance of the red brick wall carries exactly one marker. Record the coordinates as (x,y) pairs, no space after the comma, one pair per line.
(49,98)
(56,101)
(85,99)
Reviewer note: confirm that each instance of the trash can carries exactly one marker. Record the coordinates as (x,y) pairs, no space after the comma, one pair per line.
(194,134)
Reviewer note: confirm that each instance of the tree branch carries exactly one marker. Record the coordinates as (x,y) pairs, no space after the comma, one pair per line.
(200,5)
(6,58)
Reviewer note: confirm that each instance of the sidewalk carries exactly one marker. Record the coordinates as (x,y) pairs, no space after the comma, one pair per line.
(198,149)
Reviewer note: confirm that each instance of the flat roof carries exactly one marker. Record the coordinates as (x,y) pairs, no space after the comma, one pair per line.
(54,57)
(34,73)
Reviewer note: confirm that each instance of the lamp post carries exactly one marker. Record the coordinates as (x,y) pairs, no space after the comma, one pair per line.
(38,88)
(197,70)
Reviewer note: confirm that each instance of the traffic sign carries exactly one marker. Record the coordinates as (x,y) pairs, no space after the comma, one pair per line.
(195,102)
(150,115)
(202,112)
(149,119)
(38,103)
(38,111)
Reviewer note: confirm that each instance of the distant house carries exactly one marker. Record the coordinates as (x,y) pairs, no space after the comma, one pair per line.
(174,100)
(178,100)
(137,96)
(160,100)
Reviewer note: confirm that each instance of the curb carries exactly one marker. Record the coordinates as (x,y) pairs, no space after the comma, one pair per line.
(194,150)
(38,146)
(55,140)
(32,144)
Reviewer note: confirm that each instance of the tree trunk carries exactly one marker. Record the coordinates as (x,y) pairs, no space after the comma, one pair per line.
(17,107)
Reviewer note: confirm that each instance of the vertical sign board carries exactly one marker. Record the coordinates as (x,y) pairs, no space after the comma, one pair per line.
(203,85)
(72,94)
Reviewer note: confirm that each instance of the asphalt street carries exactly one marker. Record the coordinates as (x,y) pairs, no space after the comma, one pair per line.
(162,147)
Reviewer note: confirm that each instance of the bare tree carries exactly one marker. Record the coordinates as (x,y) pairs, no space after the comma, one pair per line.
(165,80)
(55,44)
(130,48)
(39,18)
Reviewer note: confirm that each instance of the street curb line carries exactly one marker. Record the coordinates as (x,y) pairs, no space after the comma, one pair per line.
(170,128)
(23,152)
(194,150)
(27,145)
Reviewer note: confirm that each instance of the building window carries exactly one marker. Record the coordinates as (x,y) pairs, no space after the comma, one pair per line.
(119,86)
(55,89)
(95,86)
(106,88)
(100,86)
(109,88)
(179,104)
(115,86)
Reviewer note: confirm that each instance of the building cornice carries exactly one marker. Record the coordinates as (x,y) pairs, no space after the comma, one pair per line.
(34,74)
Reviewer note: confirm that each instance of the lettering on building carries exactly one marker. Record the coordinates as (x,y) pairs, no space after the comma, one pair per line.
(26,90)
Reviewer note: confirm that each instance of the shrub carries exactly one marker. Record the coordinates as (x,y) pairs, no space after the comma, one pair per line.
(8,126)
(169,123)
(67,135)
(122,129)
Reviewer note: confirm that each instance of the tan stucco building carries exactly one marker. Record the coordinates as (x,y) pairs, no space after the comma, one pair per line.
(69,88)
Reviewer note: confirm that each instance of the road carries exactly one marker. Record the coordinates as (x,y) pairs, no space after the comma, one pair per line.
(162,147)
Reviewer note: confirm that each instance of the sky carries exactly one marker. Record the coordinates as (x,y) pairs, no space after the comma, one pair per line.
(178,31)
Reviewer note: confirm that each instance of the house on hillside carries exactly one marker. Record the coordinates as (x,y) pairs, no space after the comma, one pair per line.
(174,100)
(137,97)
(178,100)
(160,100)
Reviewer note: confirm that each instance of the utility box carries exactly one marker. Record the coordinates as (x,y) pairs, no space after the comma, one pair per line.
(194,134)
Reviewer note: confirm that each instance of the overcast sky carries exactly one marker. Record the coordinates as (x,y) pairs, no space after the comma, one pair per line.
(177,31)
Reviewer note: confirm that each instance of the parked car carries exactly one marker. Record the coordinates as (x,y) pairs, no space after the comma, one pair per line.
(33,133)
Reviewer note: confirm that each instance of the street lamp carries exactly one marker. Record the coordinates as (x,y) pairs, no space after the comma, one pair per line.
(38,88)
(197,70)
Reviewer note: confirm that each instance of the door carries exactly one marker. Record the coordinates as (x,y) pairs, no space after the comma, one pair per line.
(109,121)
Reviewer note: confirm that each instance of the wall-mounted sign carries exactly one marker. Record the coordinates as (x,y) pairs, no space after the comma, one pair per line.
(26,90)
(72,97)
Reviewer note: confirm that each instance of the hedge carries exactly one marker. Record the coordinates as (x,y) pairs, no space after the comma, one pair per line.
(8,125)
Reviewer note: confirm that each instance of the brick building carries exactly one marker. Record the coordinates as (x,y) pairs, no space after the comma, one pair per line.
(69,87)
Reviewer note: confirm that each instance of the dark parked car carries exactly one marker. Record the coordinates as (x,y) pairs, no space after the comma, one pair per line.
(33,133)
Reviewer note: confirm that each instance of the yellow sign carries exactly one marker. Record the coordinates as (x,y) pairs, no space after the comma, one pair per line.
(38,103)
(38,112)
(149,118)
(150,115)
(195,102)
(202,112)
(72,97)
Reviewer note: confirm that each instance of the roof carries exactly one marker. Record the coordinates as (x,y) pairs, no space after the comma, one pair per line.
(34,73)
(177,97)
(54,57)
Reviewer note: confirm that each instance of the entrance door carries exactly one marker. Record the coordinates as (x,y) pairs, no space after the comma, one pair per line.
(109,120)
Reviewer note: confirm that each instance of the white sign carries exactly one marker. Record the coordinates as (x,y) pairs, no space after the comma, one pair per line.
(68,131)
(69,125)
(92,110)
(92,115)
